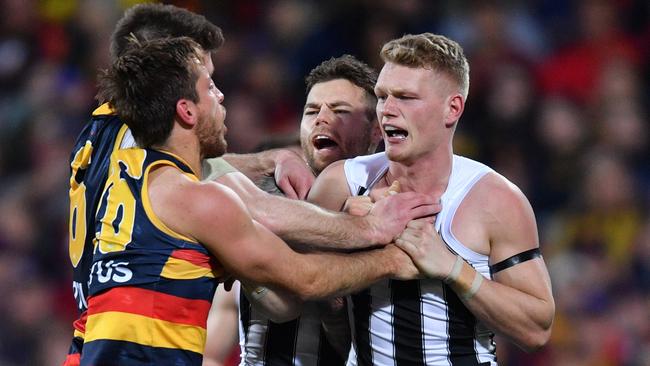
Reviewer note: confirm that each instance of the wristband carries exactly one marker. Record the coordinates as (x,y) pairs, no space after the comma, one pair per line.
(476,284)
(455,270)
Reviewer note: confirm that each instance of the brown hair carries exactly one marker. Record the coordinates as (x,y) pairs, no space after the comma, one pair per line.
(148,21)
(146,81)
(349,68)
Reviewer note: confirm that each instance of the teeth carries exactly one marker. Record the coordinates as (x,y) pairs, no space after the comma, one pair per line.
(395,132)
(321,137)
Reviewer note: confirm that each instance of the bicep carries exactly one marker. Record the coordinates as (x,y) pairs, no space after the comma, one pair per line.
(330,190)
(243,246)
(513,233)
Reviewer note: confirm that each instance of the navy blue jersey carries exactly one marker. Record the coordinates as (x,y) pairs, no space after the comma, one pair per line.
(151,287)
(89,162)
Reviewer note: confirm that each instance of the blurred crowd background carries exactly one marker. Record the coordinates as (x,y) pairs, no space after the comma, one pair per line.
(559,103)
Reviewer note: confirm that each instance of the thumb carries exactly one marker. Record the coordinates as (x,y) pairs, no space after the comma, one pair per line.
(393,189)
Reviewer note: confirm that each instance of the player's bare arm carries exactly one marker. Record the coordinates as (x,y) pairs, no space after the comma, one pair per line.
(518,302)
(301,222)
(287,165)
(215,216)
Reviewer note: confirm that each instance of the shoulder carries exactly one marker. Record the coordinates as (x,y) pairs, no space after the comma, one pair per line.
(334,171)
(506,215)
(330,189)
(501,196)
(187,205)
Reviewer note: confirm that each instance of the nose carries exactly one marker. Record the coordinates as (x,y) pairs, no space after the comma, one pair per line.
(387,107)
(220,96)
(324,115)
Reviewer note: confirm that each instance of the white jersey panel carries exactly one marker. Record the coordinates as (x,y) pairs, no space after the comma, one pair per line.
(449,334)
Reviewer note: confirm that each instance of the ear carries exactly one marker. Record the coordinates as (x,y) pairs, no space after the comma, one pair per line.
(187,112)
(456,108)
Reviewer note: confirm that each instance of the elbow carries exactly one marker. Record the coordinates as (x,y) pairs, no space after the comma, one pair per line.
(286,307)
(537,338)
(287,315)
(310,289)
(535,341)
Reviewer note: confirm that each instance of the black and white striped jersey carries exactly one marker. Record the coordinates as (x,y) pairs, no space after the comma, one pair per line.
(299,342)
(419,322)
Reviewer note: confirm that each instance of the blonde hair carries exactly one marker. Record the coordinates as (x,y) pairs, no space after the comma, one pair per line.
(430,51)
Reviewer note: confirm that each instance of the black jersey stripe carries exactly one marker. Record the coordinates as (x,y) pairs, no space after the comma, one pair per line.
(244,314)
(327,355)
(407,323)
(461,330)
(362,311)
(280,345)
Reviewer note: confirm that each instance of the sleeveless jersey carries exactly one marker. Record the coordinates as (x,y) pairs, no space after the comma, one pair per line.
(419,322)
(299,342)
(150,288)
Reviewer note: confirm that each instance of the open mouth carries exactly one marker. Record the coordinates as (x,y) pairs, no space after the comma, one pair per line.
(323,142)
(393,132)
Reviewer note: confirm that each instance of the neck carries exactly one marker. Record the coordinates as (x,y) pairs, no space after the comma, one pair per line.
(184,144)
(428,174)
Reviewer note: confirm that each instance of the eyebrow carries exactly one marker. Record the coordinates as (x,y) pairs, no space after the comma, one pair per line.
(331,105)
(393,90)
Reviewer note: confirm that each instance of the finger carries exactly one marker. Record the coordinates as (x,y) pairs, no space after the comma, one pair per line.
(412,199)
(393,189)
(407,247)
(360,210)
(424,211)
(411,236)
(427,221)
(287,189)
(303,187)
(417,224)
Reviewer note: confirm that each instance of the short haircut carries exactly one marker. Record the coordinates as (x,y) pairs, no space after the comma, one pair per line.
(145,83)
(147,22)
(430,51)
(351,69)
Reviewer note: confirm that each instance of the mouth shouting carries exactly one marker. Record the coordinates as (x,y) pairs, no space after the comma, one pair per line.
(395,134)
(324,142)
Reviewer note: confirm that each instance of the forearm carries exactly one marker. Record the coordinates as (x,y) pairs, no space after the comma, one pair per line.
(301,222)
(523,318)
(256,165)
(278,305)
(325,275)
(252,165)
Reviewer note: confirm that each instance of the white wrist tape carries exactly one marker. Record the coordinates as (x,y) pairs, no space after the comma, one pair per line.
(455,271)
(476,284)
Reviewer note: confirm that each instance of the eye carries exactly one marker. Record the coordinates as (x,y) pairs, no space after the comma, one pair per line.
(341,111)
(310,112)
(404,97)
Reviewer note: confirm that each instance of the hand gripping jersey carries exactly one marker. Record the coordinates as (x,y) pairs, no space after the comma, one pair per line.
(419,322)
(150,288)
(298,342)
